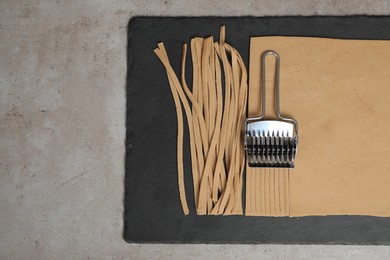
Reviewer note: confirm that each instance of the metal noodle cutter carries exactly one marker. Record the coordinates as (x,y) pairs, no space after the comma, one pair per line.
(271,143)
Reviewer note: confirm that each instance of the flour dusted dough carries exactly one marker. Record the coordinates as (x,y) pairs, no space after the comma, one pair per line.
(339,92)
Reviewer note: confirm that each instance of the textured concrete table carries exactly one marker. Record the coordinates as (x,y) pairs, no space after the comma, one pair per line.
(62,128)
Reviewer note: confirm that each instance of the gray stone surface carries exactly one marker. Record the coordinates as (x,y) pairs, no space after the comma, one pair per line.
(62,128)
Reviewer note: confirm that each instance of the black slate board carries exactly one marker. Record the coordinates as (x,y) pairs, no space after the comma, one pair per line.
(152,208)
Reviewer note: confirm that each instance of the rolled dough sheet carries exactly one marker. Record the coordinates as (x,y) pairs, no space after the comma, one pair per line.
(339,92)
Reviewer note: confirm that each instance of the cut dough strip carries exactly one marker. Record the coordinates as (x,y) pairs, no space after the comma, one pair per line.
(173,83)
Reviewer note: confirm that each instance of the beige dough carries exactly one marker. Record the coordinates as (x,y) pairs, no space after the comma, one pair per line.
(338,91)
(214,123)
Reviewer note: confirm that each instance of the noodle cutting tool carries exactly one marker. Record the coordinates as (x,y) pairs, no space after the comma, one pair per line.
(271,143)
